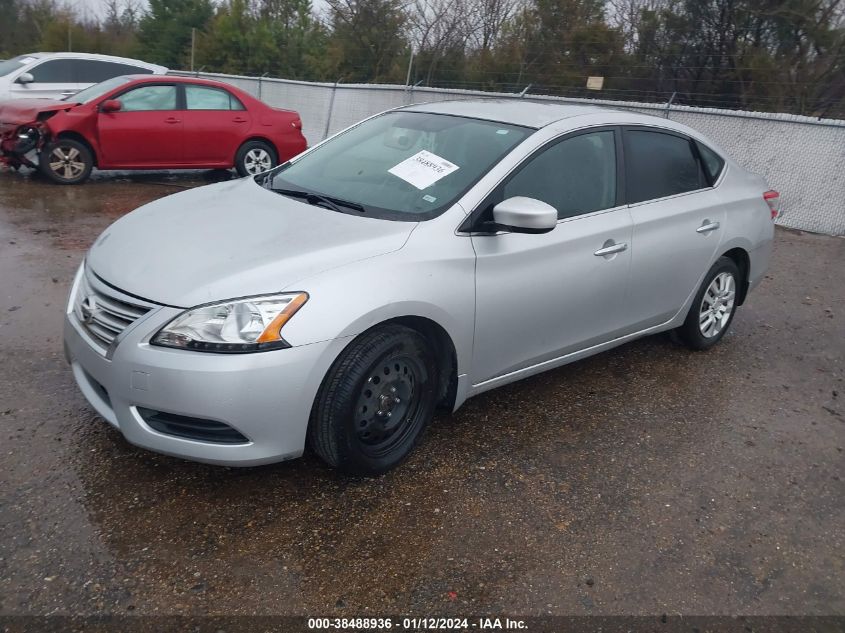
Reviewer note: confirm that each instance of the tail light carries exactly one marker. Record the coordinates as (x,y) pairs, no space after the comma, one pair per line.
(771,198)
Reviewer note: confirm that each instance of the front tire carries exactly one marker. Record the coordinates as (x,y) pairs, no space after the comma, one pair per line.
(255,157)
(713,307)
(66,161)
(375,401)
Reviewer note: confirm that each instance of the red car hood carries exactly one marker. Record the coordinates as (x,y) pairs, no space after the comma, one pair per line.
(27,110)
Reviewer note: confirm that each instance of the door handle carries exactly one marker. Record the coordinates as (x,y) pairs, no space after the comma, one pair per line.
(69,93)
(610,248)
(707,227)
(239,120)
(172,119)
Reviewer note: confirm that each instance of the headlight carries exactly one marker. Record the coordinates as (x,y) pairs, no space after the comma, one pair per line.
(241,325)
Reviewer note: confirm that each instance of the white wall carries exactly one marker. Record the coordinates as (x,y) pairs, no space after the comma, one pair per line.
(803,158)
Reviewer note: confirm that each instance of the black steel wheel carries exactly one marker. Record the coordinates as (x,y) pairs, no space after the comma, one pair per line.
(375,401)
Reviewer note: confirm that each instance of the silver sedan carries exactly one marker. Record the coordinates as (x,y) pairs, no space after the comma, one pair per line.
(414,260)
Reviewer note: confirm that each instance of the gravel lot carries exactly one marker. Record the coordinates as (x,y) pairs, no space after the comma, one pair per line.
(645,480)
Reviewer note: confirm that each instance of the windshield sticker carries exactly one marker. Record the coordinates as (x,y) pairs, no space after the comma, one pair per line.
(429,198)
(502,131)
(423,169)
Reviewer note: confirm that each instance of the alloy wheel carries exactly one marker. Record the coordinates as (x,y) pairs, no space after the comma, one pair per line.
(717,305)
(257,160)
(65,162)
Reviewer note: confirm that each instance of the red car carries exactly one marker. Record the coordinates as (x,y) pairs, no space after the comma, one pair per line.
(147,122)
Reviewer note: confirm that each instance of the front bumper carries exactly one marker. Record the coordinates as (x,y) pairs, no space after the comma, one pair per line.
(16,150)
(266,396)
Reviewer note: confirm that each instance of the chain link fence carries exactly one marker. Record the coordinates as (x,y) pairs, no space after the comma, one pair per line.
(802,157)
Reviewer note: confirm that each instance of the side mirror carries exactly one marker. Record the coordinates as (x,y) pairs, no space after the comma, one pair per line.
(111,105)
(524,215)
(25,78)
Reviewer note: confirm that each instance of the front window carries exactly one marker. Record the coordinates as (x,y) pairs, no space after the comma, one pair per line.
(148,98)
(575,176)
(401,165)
(16,63)
(97,91)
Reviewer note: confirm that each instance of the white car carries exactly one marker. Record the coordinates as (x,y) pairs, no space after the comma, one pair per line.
(59,75)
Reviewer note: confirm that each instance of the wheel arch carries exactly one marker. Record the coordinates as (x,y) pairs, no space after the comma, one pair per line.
(742,260)
(441,344)
(255,137)
(444,351)
(76,136)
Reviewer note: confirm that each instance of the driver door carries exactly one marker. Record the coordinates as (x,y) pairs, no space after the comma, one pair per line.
(147,131)
(539,297)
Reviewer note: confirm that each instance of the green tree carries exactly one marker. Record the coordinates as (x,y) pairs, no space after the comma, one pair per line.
(367,39)
(164,35)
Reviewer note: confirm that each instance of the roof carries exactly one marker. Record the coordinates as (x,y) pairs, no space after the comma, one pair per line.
(535,114)
(183,79)
(97,56)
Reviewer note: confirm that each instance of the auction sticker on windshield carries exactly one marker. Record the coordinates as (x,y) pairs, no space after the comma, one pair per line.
(423,169)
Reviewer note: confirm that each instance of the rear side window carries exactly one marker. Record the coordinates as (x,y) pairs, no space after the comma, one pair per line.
(713,163)
(205,98)
(575,176)
(55,71)
(90,71)
(659,165)
(148,98)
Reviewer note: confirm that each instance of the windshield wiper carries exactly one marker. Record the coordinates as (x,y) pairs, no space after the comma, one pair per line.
(316,199)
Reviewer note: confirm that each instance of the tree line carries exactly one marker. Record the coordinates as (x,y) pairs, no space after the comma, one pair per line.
(768,55)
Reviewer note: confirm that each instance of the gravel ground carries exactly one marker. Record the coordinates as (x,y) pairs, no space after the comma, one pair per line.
(645,480)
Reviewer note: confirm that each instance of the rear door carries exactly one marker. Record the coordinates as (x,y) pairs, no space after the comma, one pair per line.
(147,131)
(678,219)
(53,79)
(216,123)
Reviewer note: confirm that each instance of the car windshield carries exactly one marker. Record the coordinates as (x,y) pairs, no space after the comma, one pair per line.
(399,166)
(11,65)
(97,90)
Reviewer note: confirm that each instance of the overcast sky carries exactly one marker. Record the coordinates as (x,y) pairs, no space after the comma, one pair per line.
(97,8)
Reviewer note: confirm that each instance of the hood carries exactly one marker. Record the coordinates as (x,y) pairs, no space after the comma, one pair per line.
(27,110)
(232,239)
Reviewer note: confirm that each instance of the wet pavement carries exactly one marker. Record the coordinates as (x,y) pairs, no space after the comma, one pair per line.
(645,480)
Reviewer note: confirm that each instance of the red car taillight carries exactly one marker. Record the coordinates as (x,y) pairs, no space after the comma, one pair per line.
(771,198)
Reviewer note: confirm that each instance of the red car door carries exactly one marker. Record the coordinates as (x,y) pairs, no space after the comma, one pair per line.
(146,132)
(216,123)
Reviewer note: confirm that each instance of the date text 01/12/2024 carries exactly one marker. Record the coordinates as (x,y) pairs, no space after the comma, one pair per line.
(416,624)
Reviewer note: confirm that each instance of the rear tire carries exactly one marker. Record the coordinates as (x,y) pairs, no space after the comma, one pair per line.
(66,161)
(254,157)
(375,401)
(713,307)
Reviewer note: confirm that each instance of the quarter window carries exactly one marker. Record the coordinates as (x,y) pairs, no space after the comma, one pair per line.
(148,98)
(575,176)
(713,163)
(659,165)
(204,98)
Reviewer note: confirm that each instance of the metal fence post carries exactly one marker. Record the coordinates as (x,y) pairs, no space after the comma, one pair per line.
(331,107)
(411,91)
(260,83)
(525,91)
(669,105)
